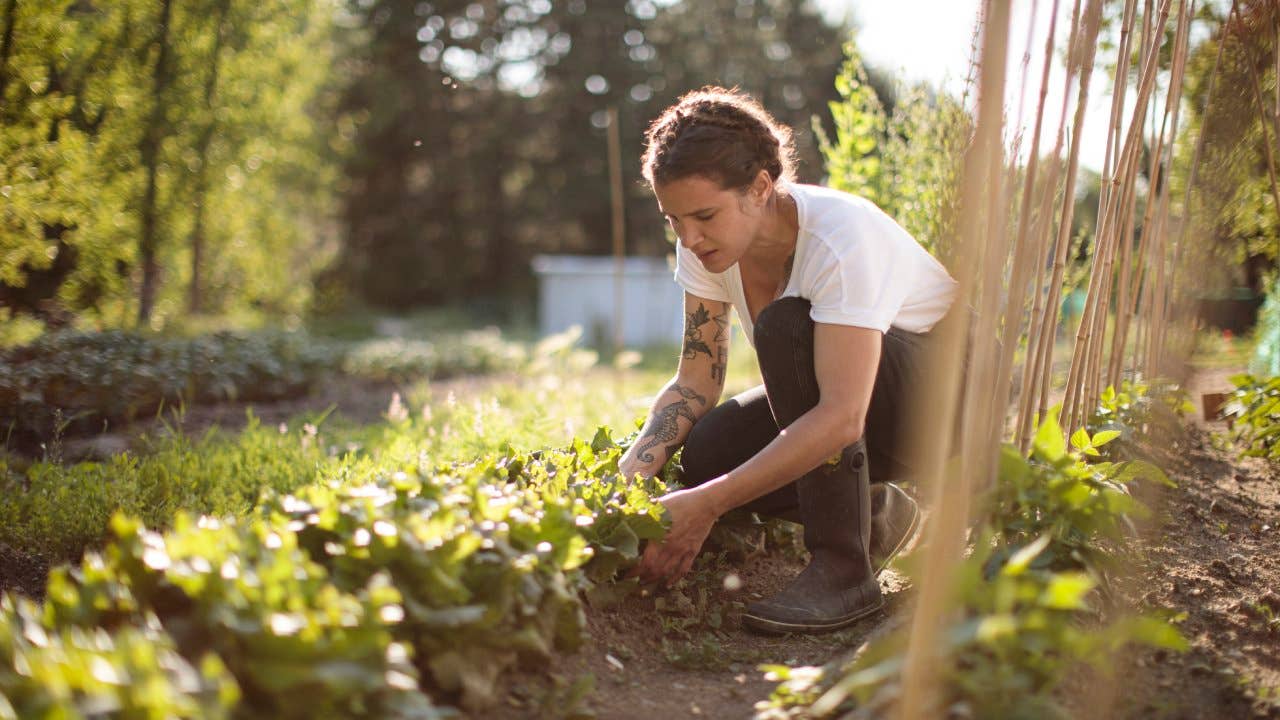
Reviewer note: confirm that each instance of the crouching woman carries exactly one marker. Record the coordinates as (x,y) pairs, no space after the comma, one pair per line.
(837,300)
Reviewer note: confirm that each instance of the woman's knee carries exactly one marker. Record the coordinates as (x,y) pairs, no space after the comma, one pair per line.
(780,326)
(699,459)
(780,318)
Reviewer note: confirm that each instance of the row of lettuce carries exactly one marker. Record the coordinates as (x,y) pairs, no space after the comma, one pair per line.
(80,382)
(392,591)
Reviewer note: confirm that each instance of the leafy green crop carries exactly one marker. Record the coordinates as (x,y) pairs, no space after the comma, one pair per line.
(1024,601)
(367,595)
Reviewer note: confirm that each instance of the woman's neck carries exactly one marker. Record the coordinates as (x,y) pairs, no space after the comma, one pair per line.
(775,241)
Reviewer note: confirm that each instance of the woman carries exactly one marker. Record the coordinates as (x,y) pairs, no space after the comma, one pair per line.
(836,298)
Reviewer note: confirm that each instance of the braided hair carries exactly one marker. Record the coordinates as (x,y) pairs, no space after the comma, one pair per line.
(722,135)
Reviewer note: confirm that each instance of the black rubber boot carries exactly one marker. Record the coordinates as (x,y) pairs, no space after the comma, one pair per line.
(838,587)
(895,517)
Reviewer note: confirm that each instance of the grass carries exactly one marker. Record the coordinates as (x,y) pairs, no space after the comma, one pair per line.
(58,510)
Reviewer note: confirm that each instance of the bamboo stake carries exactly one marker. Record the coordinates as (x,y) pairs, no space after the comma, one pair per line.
(1174,106)
(1042,235)
(1162,142)
(945,537)
(1075,380)
(1109,181)
(1092,324)
(1022,244)
(1042,366)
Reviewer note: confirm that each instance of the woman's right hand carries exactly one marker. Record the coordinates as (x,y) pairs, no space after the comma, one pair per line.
(629,466)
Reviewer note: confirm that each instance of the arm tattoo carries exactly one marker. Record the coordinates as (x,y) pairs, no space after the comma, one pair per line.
(689,394)
(722,325)
(663,427)
(693,342)
(722,362)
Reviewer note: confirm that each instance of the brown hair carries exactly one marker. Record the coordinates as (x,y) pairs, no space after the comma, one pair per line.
(722,135)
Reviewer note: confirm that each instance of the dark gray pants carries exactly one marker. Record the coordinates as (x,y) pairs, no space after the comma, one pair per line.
(740,427)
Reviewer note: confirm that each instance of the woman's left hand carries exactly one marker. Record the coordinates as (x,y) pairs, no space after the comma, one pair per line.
(692,516)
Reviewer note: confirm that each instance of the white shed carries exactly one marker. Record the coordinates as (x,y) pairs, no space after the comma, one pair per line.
(581,289)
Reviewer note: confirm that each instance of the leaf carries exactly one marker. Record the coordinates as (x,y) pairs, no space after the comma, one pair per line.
(1020,560)
(1049,442)
(602,440)
(1066,591)
(1080,439)
(1103,437)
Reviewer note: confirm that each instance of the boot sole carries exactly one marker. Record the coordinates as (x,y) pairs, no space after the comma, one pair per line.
(905,541)
(777,627)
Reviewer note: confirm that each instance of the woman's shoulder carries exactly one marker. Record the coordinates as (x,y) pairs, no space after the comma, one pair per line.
(835,215)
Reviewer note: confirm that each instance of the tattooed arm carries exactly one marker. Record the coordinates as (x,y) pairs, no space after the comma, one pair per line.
(691,393)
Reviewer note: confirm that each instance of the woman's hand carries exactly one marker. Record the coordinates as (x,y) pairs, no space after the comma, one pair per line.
(692,516)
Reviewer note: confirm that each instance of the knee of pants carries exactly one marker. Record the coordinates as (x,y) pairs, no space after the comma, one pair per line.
(698,457)
(775,325)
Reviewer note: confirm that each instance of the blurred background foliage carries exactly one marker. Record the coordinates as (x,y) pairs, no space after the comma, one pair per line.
(206,164)
(162,161)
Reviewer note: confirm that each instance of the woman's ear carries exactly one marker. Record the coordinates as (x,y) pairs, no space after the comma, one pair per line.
(761,188)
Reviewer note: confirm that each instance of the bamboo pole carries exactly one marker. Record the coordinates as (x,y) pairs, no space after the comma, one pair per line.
(1042,365)
(1109,173)
(1075,380)
(945,536)
(1023,245)
(1155,173)
(1089,334)
(1174,108)
(1043,234)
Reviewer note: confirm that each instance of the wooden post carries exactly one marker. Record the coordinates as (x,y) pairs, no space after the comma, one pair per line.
(619,230)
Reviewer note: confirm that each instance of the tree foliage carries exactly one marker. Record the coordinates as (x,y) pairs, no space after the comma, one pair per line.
(1232,200)
(906,158)
(127,126)
(481,126)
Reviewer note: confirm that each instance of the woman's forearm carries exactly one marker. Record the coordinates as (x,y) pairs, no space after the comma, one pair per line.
(673,415)
(812,439)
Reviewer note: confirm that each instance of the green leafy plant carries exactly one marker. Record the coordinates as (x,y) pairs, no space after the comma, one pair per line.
(1025,603)
(1254,410)
(380,592)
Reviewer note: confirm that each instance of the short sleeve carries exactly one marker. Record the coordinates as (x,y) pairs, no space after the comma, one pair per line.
(864,283)
(695,279)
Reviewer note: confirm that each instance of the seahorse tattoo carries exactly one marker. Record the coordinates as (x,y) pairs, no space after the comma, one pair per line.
(693,342)
(664,426)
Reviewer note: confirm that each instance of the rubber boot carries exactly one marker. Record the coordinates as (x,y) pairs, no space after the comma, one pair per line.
(838,587)
(895,517)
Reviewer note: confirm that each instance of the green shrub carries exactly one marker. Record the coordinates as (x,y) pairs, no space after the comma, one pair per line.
(1255,413)
(77,382)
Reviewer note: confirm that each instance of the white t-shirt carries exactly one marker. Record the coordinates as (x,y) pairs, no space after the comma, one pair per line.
(854,263)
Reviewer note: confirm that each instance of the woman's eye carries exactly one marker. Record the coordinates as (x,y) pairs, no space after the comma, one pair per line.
(704,218)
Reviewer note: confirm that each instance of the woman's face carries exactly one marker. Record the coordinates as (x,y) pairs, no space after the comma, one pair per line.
(715,224)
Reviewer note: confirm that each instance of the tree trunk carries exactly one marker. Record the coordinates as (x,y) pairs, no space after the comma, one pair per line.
(150,152)
(195,301)
(6,42)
